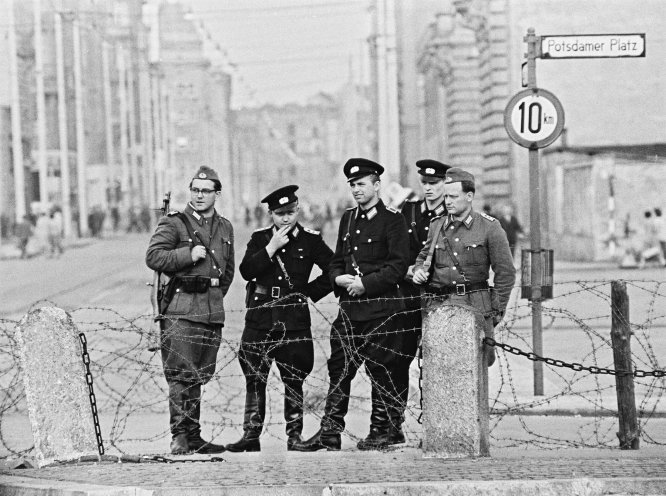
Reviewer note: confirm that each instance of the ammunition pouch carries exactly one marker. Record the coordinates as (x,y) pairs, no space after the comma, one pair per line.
(193,284)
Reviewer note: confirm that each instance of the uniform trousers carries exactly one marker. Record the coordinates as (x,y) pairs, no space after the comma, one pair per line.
(189,355)
(373,342)
(293,353)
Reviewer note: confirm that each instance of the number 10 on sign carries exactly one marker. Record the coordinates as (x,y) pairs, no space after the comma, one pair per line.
(534,118)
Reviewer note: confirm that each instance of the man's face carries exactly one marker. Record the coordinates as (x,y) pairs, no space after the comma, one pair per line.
(285,216)
(433,188)
(457,202)
(203,194)
(364,189)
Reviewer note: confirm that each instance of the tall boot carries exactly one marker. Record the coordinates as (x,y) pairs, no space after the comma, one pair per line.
(177,417)
(253,419)
(378,437)
(397,417)
(293,413)
(194,440)
(333,423)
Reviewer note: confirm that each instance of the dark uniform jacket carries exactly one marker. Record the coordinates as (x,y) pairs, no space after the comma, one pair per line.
(479,243)
(169,252)
(305,249)
(379,241)
(418,217)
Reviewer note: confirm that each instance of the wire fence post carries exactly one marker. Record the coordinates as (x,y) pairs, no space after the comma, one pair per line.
(624,382)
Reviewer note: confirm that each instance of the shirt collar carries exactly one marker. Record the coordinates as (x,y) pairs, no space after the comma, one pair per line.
(469,220)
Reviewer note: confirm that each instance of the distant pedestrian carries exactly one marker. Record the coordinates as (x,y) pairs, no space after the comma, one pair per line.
(511,226)
(23,232)
(41,234)
(55,233)
(650,248)
(145,218)
(660,228)
(133,224)
(115,218)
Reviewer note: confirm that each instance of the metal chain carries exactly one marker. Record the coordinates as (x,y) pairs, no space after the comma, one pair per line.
(420,362)
(574,366)
(91,391)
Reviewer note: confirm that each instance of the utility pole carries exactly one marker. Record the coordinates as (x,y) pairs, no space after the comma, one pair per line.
(17,145)
(42,163)
(108,117)
(80,134)
(155,104)
(63,139)
(124,152)
(131,122)
(382,120)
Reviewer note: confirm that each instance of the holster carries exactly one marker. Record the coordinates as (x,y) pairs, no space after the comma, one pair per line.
(165,294)
(250,288)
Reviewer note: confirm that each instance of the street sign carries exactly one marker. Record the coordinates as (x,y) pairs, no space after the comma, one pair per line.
(592,46)
(534,118)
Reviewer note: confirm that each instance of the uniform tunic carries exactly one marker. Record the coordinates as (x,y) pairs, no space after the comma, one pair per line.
(305,249)
(378,240)
(479,243)
(192,329)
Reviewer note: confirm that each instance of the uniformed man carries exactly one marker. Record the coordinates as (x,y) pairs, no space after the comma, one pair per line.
(195,248)
(418,215)
(455,262)
(277,263)
(369,263)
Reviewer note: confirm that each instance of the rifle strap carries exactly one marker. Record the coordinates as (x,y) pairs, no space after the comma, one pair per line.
(435,228)
(355,265)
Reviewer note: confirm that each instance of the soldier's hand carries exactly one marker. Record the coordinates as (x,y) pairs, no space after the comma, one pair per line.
(420,276)
(410,273)
(198,253)
(279,239)
(344,280)
(356,288)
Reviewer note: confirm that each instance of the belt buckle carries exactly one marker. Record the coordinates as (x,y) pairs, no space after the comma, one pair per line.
(214,282)
(460,289)
(275,291)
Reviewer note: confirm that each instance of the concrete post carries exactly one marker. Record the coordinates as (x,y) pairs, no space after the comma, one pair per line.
(55,386)
(455,382)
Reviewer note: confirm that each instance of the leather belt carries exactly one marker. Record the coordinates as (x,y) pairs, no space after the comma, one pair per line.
(273,291)
(457,289)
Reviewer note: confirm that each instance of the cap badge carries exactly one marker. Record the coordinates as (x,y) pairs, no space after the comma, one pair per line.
(353,170)
(202,175)
(448,179)
(283,200)
(430,170)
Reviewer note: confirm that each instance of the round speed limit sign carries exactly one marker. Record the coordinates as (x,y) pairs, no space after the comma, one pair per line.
(534,118)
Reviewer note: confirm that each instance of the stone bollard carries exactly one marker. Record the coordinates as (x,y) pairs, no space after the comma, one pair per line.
(55,386)
(455,382)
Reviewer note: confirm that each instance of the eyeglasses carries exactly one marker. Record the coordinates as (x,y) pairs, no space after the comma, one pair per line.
(196,191)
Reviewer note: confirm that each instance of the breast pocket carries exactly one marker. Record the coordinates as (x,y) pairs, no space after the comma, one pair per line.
(373,246)
(441,257)
(300,262)
(475,253)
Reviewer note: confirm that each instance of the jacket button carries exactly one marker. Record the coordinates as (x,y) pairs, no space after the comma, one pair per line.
(453,268)
(279,278)
(369,240)
(456,240)
(426,228)
(178,291)
(358,231)
(455,253)
(355,247)
(212,251)
(423,242)
(214,267)
(409,231)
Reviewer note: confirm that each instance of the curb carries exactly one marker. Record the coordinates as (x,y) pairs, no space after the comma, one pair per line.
(26,486)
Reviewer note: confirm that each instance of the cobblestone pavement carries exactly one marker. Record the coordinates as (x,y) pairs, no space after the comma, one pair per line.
(313,472)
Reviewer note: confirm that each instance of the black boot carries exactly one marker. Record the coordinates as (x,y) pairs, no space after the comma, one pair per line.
(397,417)
(379,424)
(249,442)
(177,418)
(253,419)
(327,440)
(333,423)
(293,413)
(194,440)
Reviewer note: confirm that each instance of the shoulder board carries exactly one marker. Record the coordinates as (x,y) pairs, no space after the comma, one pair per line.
(311,231)
(172,213)
(393,210)
(263,229)
(486,216)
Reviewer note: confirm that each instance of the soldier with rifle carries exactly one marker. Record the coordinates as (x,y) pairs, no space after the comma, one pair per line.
(195,249)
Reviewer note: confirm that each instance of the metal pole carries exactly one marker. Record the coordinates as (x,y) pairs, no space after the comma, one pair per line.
(17,144)
(42,164)
(124,152)
(535,228)
(63,139)
(80,132)
(108,118)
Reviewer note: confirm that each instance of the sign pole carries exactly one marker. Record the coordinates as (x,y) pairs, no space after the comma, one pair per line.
(535,227)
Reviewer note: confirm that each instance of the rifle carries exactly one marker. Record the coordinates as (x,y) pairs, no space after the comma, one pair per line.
(156,292)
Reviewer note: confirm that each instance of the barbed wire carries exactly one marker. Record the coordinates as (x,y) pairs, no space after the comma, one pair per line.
(131,392)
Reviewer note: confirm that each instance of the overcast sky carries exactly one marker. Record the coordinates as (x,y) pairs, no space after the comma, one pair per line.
(286,50)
